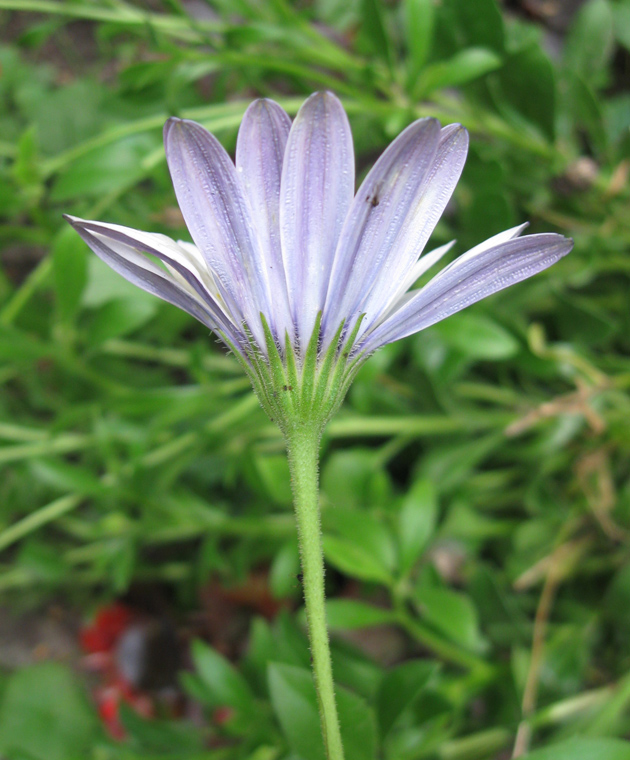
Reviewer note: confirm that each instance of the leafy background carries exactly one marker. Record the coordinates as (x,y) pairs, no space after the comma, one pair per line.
(475,487)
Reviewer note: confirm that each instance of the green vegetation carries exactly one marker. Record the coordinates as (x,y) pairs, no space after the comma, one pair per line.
(476,484)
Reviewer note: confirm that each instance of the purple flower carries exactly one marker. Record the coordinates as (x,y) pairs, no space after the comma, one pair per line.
(280,233)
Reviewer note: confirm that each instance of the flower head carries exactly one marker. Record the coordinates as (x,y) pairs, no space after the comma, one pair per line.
(294,271)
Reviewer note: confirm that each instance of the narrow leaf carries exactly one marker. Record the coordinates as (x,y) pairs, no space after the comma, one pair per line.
(463,67)
(418,28)
(416,523)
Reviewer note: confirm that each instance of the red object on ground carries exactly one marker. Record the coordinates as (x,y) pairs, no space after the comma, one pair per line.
(109,624)
(99,641)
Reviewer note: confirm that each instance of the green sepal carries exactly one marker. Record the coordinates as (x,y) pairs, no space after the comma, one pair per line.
(309,365)
(292,374)
(352,369)
(260,366)
(276,364)
(276,376)
(326,367)
(298,391)
(253,373)
(337,388)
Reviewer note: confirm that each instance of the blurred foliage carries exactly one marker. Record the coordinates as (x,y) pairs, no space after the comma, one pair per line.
(476,486)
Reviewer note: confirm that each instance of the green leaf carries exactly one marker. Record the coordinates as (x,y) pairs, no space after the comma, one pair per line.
(527,89)
(354,670)
(18,346)
(273,471)
(139,76)
(285,568)
(261,649)
(373,29)
(44,715)
(590,42)
(418,19)
(160,736)
(65,477)
(354,560)
(348,614)
(475,24)
(416,523)
(295,704)
(582,111)
(339,14)
(580,748)
(224,685)
(361,528)
(450,466)
(452,613)
(41,561)
(26,168)
(621,26)
(359,545)
(69,256)
(65,116)
(290,642)
(399,689)
(105,285)
(109,169)
(463,67)
(358,726)
(353,479)
(120,317)
(502,617)
(478,336)
(489,209)
(122,562)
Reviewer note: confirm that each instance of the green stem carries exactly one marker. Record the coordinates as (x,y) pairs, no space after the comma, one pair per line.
(303,451)
(64,444)
(13,307)
(35,520)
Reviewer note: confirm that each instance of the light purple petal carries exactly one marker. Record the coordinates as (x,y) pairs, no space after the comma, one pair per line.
(218,218)
(262,139)
(429,260)
(122,249)
(423,265)
(374,220)
(315,195)
(393,216)
(491,242)
(467,280)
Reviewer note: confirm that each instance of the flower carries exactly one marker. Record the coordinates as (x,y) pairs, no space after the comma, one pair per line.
(286,256)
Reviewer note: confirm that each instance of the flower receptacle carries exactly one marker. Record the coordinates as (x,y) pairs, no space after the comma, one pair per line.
(302,388)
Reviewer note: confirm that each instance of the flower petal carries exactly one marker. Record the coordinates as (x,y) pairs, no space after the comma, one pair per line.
(315,195)
(191,256)
(423,265)
(122,248)
(393,216)
(467,280)
(430,259)
(260,146)
(218,218)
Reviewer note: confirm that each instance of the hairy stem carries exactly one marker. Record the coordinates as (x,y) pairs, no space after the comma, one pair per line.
(303,450)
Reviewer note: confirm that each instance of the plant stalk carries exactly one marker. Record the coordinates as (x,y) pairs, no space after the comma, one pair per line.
(303,451)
